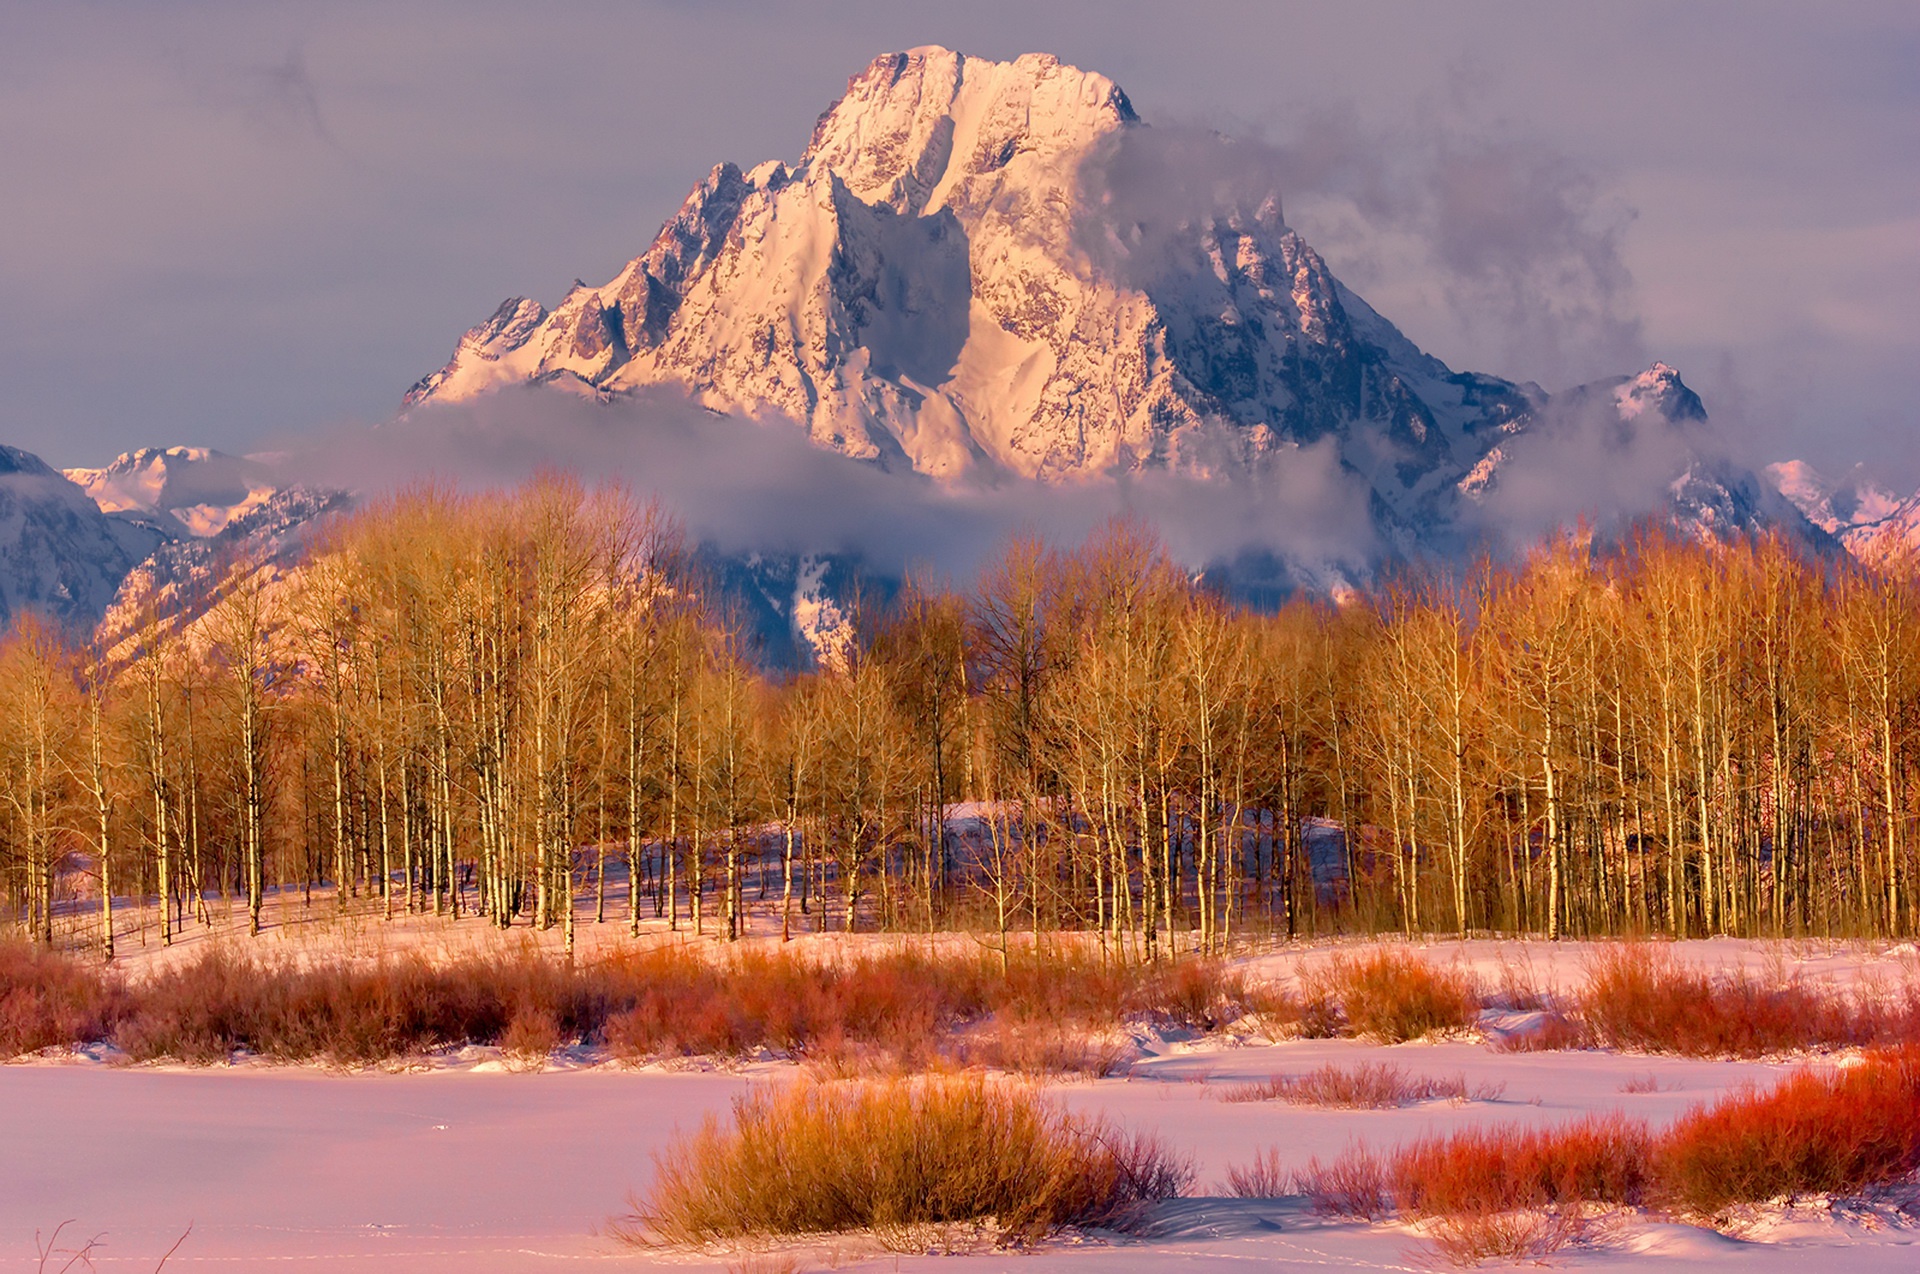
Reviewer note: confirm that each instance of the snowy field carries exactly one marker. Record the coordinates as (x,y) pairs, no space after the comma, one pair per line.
(464,1166)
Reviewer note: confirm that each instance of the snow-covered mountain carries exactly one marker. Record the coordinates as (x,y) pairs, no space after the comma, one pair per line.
(976,269)
(947,280)
(104,551)
(181,579)
(1874,524)
(995,274)
(197,489)
(60,554)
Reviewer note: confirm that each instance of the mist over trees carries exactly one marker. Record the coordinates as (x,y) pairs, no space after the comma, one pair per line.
(510,705)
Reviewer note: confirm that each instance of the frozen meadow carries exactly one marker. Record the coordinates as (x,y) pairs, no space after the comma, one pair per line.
(462,1162)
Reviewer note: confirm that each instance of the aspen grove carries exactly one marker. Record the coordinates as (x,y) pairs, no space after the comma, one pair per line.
(524,706)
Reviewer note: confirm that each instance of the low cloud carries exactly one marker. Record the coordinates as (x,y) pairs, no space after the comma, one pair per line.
(1513,242)
(1585,458)
(748,484)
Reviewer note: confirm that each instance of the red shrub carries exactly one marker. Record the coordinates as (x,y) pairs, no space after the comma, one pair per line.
(51,1001)
(1601,1159)
(1812,1134)
(1394,996)
(1638,997)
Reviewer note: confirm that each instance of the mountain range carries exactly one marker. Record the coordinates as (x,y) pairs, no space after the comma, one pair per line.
(992,273)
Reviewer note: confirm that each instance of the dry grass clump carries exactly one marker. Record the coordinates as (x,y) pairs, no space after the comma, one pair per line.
(1394,996)
(1199,995)
(1552,1033)
(765,1263)
(49,1001)
(1038,1047)
(530,1038)
(1812,1134)
(1523,1234)
(1368,1086)
(1641,1084)
(1354,1185)
(893,1011)
(897,1158)
(1267,1177)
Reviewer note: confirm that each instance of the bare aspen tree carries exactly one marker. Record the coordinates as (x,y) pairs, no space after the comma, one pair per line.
(35,760)
(240,625)
(96,686)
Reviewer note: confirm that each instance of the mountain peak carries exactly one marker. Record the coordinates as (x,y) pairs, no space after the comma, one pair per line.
(941,283)
(1659,389)
(914,125)
(990,269)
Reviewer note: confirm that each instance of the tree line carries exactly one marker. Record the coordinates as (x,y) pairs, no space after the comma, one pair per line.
(525,706)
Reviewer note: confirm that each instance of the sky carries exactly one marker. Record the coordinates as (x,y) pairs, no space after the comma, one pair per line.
(229,224)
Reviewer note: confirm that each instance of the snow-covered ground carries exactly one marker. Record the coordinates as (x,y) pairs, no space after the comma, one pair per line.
(464,1166)
(483,1170)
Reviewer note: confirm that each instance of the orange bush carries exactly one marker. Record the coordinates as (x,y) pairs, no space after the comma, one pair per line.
(47,1001)
(895,1157)
(1601,1159)
(1394,996)
(1812,1134)
(1638,997)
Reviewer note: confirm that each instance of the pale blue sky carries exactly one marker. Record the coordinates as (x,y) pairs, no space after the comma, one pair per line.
(227,222)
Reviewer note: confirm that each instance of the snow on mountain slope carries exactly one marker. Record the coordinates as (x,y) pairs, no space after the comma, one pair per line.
(949,280)
(200,489)
(1894,539)
(60,554)
(1875,525)
(1836,506)
(181,580)
(979,269)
